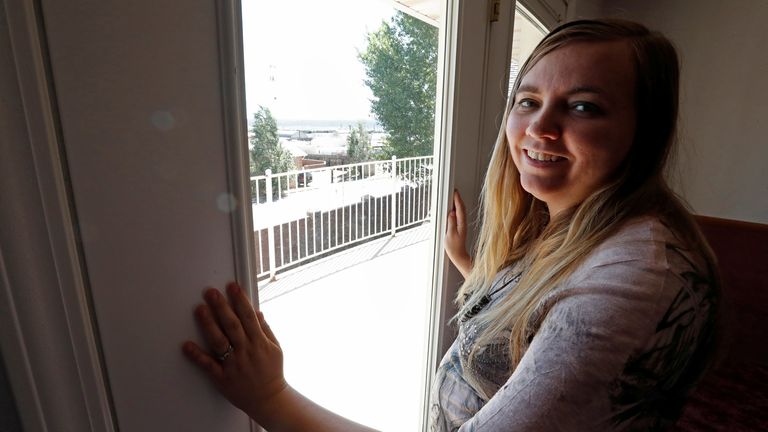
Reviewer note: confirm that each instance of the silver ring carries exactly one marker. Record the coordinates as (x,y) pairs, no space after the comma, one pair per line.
(230,350)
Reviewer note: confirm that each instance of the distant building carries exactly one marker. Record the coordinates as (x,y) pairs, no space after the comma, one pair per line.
(301,136)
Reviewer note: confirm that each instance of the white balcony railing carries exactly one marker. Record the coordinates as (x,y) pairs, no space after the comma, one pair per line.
(302,215)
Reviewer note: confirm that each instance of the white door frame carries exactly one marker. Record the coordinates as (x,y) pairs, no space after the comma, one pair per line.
(51,339)
(475,70)
(48,338)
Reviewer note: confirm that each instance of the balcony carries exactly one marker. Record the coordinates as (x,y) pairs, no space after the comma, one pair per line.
(300,216)
(347,299)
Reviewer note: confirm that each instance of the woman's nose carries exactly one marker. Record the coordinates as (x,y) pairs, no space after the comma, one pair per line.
(544,126)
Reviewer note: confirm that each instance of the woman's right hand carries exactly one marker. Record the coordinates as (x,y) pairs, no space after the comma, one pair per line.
(244,361)
(456,236)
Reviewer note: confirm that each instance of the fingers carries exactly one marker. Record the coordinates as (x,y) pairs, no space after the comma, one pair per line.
(224,315)
(243,309)
(203,360)
(451,228)
(457,217)
(214,336)
(458,204)
(266,328)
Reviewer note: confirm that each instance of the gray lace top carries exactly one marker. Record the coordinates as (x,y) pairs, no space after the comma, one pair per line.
(625,338)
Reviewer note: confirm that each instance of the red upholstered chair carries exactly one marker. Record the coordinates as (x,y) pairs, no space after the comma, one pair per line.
(733,396)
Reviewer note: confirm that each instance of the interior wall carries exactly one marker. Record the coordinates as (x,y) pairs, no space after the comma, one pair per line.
(724,97)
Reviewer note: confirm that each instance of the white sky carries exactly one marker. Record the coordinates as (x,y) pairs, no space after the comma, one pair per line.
(310,48)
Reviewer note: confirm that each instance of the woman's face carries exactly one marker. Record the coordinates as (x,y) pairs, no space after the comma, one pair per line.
(573,121)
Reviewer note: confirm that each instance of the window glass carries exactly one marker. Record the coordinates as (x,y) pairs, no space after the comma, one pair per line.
(341,108)
(528,33)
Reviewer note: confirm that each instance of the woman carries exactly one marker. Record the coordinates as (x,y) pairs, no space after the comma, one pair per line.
(590,302)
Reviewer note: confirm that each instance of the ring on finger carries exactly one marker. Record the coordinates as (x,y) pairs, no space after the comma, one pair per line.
(227,353)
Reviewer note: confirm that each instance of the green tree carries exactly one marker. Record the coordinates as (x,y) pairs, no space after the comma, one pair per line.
(265,148)
(359,144)
(401,66)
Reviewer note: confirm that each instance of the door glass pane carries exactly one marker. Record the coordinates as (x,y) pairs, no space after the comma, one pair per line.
(341,109)
(528,32)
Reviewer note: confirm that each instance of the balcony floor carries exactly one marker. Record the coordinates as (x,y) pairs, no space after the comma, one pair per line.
(353,328)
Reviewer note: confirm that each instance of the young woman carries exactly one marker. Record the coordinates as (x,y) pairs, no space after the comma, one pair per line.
(589,304)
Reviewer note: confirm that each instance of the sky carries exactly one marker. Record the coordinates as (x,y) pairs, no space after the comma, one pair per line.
(301,56)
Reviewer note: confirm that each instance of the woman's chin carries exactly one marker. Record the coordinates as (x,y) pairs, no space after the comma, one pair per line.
(542,189)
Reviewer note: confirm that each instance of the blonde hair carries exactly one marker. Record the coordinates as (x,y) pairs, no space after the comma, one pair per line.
(515,225)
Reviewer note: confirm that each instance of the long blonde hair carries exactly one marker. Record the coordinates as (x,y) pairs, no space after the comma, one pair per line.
(516,225)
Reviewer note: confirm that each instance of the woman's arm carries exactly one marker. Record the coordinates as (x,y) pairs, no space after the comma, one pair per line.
(456,237)
(248,369)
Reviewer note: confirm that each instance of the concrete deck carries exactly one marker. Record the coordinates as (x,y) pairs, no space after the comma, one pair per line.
(353,328)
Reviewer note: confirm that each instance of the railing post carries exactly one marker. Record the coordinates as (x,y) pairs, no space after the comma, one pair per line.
(394,195)
(270,229)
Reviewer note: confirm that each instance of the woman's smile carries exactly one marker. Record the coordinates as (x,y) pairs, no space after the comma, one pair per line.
(538,158)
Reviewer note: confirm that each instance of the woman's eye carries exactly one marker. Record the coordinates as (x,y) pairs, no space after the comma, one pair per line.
(586,107)
(526,103)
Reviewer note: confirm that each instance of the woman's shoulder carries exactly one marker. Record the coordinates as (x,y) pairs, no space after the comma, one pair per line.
(643,259)
(644,239)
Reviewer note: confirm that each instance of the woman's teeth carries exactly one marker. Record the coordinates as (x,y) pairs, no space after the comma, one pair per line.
(543,156)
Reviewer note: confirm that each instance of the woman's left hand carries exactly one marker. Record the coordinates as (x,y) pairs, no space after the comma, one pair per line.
(456,236)
(245,361)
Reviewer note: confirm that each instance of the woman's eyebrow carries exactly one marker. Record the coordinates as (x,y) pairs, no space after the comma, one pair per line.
(527,88)
(587,89)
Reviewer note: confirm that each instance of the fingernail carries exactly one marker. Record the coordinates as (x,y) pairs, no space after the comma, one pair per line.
(212,294)
(233,288)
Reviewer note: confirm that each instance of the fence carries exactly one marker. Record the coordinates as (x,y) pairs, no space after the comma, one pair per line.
(302,215)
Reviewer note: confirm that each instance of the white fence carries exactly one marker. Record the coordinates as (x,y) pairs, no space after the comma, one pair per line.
(300,215)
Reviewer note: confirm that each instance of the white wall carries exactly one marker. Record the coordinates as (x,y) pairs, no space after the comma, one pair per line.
(724,97)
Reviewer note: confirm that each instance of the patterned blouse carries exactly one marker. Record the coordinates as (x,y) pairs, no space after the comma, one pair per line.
(626,337)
